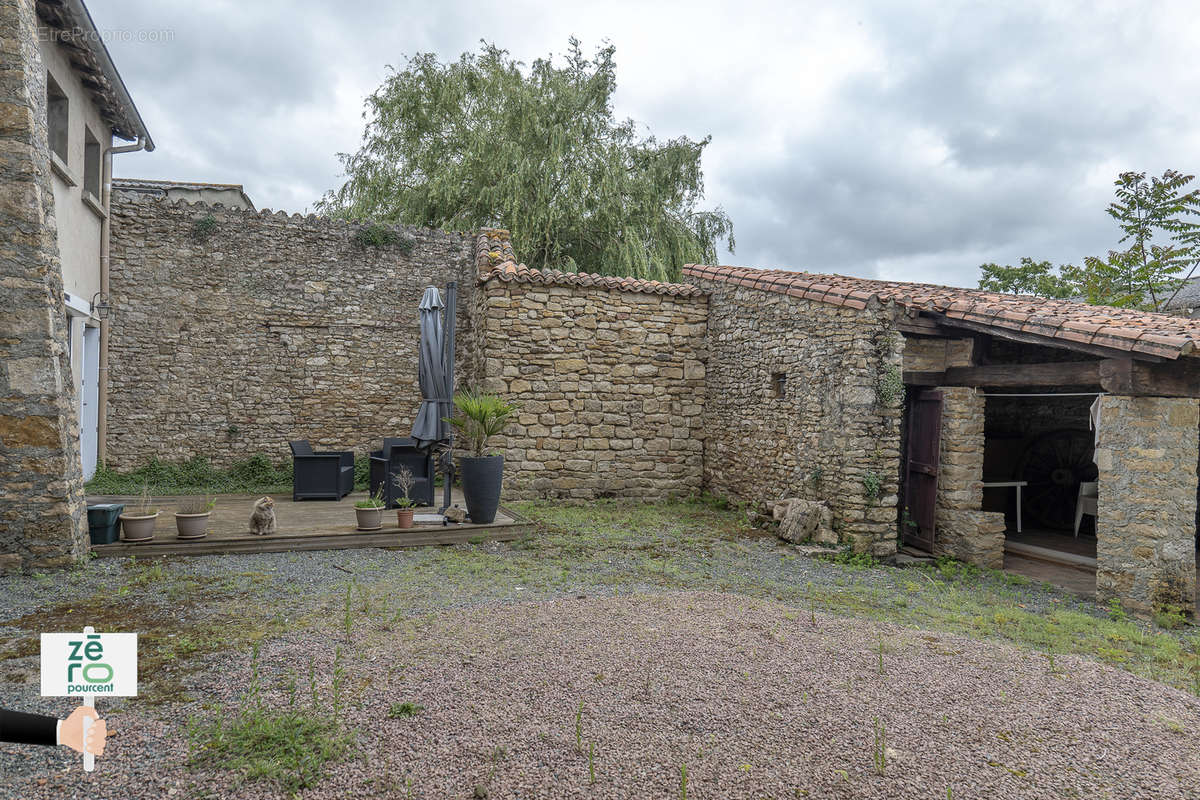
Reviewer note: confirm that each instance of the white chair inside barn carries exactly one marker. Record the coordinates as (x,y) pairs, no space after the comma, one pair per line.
(1086,504)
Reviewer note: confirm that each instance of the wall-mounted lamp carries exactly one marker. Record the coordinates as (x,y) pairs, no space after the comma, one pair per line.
(101,305)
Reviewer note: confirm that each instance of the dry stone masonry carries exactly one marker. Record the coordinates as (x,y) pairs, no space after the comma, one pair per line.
(804,402)
(1147,453)
(235,331)
(610,379)
(963,530)
(42,520)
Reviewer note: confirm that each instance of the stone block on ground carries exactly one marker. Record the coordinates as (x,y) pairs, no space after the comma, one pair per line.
(806,521)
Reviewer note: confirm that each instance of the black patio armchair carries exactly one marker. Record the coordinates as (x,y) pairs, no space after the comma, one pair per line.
(320,476)
(397,454)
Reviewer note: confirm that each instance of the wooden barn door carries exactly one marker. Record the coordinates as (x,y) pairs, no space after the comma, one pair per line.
(921,468)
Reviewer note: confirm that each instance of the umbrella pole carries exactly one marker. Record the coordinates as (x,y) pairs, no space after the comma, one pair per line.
(448,360)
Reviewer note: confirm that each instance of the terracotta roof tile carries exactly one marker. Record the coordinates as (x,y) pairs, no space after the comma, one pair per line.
(1115,328)
(495,259)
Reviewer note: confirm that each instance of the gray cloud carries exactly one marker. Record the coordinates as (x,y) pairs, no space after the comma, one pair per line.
(910,143)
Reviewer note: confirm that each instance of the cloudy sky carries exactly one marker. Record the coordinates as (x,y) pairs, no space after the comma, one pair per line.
(904,140)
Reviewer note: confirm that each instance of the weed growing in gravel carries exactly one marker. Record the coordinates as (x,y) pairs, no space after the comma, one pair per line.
(404,710)
(880,747)
(288,746)
(683,782)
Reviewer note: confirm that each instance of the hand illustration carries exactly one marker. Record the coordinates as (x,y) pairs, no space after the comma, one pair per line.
(71,733)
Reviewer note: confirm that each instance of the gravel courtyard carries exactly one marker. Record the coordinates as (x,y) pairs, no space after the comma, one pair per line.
(661,651)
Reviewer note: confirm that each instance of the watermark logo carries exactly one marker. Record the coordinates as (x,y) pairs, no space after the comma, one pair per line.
(79,35)
(88,664)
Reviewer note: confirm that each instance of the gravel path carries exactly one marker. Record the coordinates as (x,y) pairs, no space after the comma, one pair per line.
(750,695)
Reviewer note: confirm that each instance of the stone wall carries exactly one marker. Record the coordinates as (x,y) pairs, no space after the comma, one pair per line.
(610,383)
(962,530)
(42,519)
(834,433)
(235,331)
(1145,534)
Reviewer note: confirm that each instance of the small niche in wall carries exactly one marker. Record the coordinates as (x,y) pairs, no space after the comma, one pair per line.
(779,384)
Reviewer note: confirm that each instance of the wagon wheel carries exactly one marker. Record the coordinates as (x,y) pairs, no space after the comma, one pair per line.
(1054,465)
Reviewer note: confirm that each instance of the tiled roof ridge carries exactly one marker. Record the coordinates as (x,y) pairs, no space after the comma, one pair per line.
(1125,329)
(494,258)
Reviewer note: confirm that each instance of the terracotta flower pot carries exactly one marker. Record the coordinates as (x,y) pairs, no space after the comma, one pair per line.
(192,526)
(138,527)
(369,519)
(404,517)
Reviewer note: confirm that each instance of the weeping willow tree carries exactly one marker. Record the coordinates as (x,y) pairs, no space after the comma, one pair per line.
(482,142)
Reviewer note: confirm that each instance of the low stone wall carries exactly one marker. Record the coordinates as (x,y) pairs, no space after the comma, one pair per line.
(42,519)
(610,383)
(235,331)
(831,432)
(962,529)
(1145,534)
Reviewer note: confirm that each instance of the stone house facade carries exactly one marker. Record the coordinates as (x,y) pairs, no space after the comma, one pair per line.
(61,105)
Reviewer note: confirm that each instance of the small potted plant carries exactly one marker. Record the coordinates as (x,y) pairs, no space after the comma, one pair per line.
(137,524)
(482,416)
(405,505)
(369,512)
(191,519)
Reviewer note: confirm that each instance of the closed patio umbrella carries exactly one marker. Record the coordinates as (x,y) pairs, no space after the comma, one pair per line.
(435,373)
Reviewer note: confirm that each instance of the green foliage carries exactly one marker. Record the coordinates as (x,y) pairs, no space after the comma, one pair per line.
(872,484)
(484,141)
(255,475)
(1032,277)
(890,386)
(362,472)
(371,501)
(847,557)
(404,710)
(373,234)
(1163,240)
(481,416)
(287,745)
(1157,218)
(204,227)
(880,755)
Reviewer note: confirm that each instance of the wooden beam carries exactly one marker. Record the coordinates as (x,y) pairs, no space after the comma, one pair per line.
(920,325)
(1059,373)
(1129,377)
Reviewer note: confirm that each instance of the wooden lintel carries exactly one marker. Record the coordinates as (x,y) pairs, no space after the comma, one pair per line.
(1065,373)
(919,325)
(1129,377)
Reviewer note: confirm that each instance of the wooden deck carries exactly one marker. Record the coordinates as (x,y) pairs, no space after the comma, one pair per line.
(307,525)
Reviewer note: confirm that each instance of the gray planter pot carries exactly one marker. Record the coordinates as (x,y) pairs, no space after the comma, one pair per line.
(192,526)
(137,528)
(481,479)
(369,519)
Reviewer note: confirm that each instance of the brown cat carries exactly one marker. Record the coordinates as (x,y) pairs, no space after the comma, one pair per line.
(262,521)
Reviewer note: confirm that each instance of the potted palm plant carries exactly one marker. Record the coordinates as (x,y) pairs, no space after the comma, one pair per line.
(403,480)
(137,524)
(369,512)
(191,519)
(481,416)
